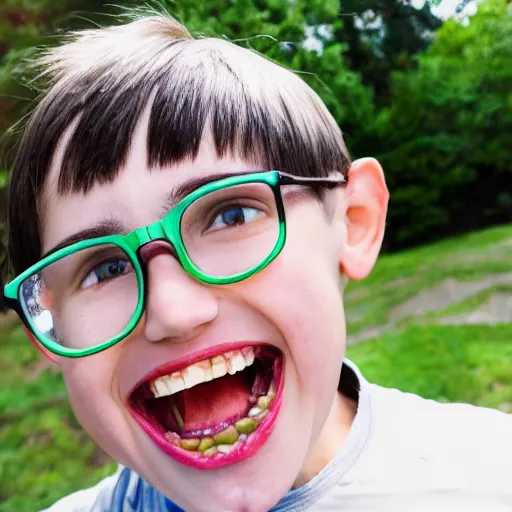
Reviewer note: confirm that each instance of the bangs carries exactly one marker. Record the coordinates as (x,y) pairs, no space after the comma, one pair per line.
(101,81)
(254,109)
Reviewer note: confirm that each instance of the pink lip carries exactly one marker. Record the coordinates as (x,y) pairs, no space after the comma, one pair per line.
(244,450)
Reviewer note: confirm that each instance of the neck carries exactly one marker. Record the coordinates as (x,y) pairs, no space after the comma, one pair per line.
(331,440)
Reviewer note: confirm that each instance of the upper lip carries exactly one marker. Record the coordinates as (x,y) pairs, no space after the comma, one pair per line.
(189,359)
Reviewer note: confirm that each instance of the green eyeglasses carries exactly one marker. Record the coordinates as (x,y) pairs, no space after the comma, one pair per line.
(88,296)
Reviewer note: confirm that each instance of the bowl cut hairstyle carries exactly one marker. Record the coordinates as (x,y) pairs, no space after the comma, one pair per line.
(98,83)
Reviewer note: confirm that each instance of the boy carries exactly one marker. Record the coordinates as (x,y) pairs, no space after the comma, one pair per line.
(201,333)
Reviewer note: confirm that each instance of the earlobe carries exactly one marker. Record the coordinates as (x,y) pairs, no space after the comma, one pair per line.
(49,355)
(365,217)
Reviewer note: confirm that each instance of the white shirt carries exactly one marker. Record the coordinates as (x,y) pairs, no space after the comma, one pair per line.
(403,453)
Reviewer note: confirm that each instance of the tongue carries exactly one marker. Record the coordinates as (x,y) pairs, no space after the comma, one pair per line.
(211,403)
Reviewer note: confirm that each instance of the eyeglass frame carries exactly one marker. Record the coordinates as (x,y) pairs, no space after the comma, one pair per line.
(169,229)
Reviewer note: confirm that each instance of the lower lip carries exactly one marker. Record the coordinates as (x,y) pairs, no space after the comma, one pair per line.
(241,452)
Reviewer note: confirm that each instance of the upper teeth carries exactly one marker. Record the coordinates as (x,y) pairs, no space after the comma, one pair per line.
(203,371)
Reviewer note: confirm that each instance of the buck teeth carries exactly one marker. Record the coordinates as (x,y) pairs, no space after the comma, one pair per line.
(237,364)
(219,367)
(203,371)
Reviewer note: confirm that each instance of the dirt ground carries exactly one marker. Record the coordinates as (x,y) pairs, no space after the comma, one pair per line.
(497,308)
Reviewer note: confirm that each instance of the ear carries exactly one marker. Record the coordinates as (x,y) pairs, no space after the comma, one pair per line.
(365,217)
(49,355)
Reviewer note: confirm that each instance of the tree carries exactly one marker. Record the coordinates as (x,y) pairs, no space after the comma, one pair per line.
(445,140)
(382,36)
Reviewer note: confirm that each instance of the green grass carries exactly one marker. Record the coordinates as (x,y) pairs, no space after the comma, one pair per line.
(45,455)
(398,277)
(470,364)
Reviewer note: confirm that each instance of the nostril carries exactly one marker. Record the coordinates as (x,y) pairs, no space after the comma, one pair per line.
(155,248)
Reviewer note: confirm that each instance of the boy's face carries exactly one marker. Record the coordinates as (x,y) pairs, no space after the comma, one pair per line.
(294,305)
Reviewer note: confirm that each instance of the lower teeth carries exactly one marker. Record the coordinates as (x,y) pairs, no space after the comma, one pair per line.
(205,444)
(228,436)
(245,426)
(224,441)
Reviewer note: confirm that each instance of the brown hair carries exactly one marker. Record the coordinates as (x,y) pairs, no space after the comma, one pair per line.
(99,82)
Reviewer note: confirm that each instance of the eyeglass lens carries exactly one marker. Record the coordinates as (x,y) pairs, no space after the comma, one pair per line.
(90,296)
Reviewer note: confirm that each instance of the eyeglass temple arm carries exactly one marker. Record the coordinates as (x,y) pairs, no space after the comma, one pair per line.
(289,179)
(15,305)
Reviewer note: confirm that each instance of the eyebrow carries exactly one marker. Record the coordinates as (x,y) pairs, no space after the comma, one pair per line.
(102,228)
(172,198)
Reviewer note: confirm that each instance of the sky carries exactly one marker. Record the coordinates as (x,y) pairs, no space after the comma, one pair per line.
(446,8)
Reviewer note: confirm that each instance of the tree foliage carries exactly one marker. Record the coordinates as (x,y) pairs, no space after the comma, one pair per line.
(384,36)
(446,137)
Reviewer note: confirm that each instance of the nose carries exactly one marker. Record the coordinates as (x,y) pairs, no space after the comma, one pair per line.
(177,306)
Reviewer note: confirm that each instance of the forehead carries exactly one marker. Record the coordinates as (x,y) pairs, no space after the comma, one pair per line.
(137,195)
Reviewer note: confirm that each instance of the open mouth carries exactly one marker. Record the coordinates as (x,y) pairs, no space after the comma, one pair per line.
(214,411)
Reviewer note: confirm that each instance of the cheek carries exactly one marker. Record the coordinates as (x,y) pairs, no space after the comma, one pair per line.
(306,283)
(300,293)
(312,319)
(89,383)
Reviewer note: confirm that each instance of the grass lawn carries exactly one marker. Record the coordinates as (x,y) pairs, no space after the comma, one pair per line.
(44,454)
(398,277)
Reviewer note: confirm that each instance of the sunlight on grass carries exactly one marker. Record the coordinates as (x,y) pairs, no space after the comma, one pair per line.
(446,363)
(398,277)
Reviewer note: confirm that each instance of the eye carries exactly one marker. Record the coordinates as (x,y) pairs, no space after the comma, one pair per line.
(234,216)
(106,271)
